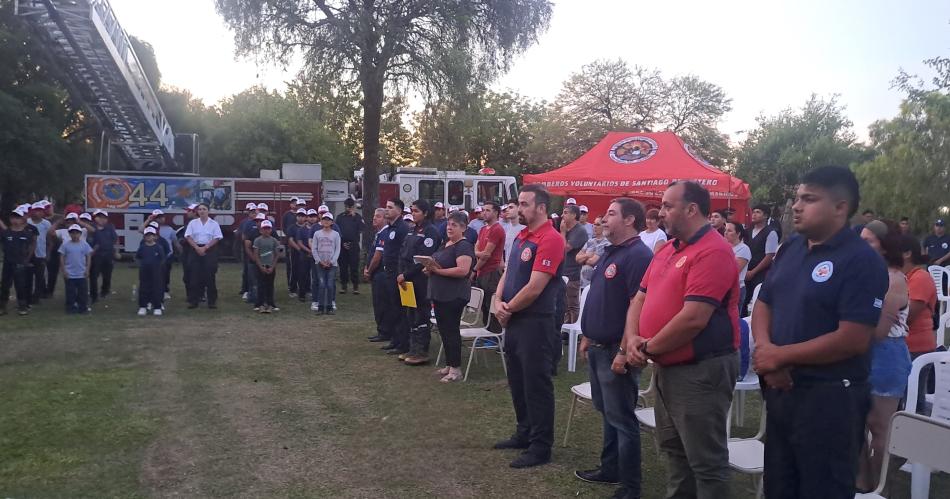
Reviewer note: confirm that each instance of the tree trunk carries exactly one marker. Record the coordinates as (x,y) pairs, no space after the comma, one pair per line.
(372,85)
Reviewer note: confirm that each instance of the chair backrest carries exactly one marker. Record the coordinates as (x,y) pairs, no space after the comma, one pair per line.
(937,273)
(941,363)
(918,439)
(583,301)
(755,296)
(473,309)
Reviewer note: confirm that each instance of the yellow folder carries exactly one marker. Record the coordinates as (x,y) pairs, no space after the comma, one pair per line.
(407,295)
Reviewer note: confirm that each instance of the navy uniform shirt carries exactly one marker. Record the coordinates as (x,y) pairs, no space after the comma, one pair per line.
(298,233)
(379,244)
(151,256)
(16,245)
(423,240)
(103,239)
(538,251)
(810,291)
(615,281)
(937,247)
(350,226)
(394,240)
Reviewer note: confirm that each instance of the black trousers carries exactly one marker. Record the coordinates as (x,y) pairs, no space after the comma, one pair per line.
(151,285)
(17,275)
(448,315)
(815,434)
(203,277)
(167,274)
(186,255)
(349,263)
(265,289)
(302,274)
(420,327)
(529,353)
(290,257)
(38,287)
(102,265)
(52,273)
(397,327)
(378,281)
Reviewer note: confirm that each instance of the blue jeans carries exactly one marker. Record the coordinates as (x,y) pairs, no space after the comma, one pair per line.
(324,286)
(615,397)
(77,296)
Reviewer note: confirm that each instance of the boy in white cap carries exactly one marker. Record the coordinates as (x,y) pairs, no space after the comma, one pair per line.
(300,253)
(19,244)
(103,242)
(265,257)
(151,257)
(288,221)
(588,227)
(75,262)
(250,212)
(570,201)
(326,245)
(42,225)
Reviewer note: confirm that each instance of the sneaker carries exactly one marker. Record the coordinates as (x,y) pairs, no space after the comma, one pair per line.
(244,296)
(452,376)
(356,291)
(334,304)
(342,291)
(403,356)
(265,310)
(257,309)
(142,311)
(595,476)
(314,306)
(274,309)
(168,296)
(530,460)
(293,295)
(22,311)
(157,312)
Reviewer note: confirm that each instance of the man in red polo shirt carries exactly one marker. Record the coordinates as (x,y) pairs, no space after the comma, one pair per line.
(489,250)
(686,319)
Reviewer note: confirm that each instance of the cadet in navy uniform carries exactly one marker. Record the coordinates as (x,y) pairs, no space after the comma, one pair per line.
(396,328)
(296,236)
(19,243)
(423,240)
(286,223)
(813,324)
(524,304)
(103,242)
(373,272)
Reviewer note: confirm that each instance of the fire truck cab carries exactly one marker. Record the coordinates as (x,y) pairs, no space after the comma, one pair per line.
(452,188)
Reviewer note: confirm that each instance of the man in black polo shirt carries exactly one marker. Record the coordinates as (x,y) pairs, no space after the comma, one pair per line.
(395,326)
(351,225)
(524,304)
(813,324)
(615,281)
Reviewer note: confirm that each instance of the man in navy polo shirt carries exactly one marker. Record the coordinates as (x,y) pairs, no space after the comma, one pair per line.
(686,318)
(813,325)
(524,304)
(396,327)
(615,281)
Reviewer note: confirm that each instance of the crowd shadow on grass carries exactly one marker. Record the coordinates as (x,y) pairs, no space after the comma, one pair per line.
(203,403)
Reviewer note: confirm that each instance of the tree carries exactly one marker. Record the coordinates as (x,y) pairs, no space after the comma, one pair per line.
(436,45)
(146,56)
(692,109)
(775,156)
(911,174)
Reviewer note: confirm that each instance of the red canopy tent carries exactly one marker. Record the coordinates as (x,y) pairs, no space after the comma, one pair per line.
(640,166)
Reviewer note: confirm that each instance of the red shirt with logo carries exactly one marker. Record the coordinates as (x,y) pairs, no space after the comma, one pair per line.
(491,234)
(701,269)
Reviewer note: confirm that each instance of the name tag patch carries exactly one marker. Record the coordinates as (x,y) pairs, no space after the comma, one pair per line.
(823,271)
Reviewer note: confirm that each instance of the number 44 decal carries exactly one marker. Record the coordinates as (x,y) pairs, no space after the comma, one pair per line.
(157,196)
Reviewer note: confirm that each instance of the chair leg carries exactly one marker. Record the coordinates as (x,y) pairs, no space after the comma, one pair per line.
(740,408)
(570,418)
(439,357)
(471,355)
(757,483)
(501,350)
(572,353)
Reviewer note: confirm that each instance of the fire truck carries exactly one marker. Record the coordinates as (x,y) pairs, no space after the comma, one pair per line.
(129,199)
(452,188)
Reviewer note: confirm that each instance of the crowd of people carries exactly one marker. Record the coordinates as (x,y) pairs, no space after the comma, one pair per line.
(841,310)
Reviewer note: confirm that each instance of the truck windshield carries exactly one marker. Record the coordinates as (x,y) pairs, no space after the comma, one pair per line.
(490,191)
(432,191)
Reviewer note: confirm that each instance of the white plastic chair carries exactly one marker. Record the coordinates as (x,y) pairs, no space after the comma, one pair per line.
(646,416)
(472,309)
(940,400)
(747,455)
(917,438)
(755,296)
(477,334)
(939,274)
(582,393)
(748,383)
(574,332)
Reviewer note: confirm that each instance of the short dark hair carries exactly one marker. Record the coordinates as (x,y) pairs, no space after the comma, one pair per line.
(541,195)
(398,202)
(491,205)
(740,229)
(694,193)
(349,202)
(424,207)
(905,219)
(206,205)
(632,208)
(840,181)
(764,208)
(865,212)
(574,210)
(459,218)
(911,244)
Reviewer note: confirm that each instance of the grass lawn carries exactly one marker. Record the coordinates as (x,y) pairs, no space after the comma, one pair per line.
(231,403)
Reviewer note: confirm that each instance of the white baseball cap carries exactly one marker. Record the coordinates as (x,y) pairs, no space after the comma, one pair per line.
(439,205)
(327,216)
(100,212)
(77,228)
(555,215)
(583,208)
(570,201)
(323,208)
(406,209)
(151,230)
(478,209)
(407,217)
(453,209)
(44,203)
(72,215)
(85,216)
(19,212)
(250,206)
(157,212)
(263,207)
(294,200)
(312,211)
(301,211)
(192,206)
(37,206)
(260,216)
(153,224)
(266,223)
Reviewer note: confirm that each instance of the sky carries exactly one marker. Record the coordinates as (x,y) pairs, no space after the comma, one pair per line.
(766,55)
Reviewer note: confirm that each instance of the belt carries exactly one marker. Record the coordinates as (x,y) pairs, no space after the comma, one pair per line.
(605,346)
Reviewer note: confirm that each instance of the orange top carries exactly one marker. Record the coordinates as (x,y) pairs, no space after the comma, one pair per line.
(920,287)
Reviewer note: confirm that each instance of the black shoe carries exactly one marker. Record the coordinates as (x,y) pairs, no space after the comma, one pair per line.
(192,305)
(389,346)
(512,443)
(342,291)
(595,476)
(625,493)
(378,339)
(530,459)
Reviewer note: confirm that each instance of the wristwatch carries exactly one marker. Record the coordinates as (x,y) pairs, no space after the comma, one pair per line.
(643,348)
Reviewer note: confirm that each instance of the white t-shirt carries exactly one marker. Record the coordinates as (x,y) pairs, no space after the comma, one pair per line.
(741,250)
(651,238)
(511,232)
(203,233)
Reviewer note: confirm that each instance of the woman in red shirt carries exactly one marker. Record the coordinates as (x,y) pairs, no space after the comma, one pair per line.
(923,299)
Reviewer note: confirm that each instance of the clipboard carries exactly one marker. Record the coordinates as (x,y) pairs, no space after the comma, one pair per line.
(423,260)
(408,295)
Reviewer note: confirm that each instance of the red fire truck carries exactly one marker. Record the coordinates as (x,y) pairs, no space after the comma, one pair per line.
(130,199)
